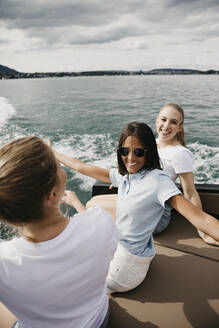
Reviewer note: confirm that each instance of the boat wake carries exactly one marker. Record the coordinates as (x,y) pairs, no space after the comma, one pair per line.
(99,150)
(96,149)
(206,163)
(7,111)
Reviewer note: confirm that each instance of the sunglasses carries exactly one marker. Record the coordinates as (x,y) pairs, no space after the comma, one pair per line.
(124,151)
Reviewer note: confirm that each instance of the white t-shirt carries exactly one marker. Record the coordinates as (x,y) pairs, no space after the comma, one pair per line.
(176,160)
(60,282)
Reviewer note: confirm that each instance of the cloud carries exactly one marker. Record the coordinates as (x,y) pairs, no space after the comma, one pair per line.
(144,28)
(97,21)
(3,41)
(26,14)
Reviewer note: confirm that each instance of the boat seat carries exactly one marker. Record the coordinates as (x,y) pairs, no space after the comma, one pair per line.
(182,235)
(181,289)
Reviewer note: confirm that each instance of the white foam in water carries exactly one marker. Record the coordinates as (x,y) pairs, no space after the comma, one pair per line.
(206,163)
(7,111)
(98,149)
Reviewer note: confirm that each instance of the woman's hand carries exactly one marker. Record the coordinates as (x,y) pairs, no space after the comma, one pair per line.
(70,198)
(47,142)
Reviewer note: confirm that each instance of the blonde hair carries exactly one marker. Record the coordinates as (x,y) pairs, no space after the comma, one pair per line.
(28,172)
(181,134)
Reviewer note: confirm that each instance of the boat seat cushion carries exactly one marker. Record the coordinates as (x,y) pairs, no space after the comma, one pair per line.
(182,235)
(180,290)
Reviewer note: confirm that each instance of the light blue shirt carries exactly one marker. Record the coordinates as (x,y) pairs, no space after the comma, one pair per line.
(141,203)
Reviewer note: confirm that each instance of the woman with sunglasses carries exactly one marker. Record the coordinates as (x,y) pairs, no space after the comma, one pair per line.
(176,160)
(144,192)
(49,276)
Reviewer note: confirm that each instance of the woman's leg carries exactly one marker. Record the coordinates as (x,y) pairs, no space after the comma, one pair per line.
(7,318)
(108,202)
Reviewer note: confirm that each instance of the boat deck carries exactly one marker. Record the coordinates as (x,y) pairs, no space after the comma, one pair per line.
(181,289)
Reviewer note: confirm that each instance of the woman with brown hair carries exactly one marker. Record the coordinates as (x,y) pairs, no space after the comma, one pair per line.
(49,276)
(145,191)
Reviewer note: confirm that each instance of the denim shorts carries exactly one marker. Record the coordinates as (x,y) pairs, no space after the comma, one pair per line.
(103,325)
(106,319)
(15,325)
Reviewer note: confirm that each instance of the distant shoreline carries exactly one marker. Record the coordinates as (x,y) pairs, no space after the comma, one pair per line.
(7,73)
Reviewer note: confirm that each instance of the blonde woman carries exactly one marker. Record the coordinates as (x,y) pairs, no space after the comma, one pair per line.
(176,159)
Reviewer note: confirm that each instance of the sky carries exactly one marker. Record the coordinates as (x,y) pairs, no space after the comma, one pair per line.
(81,35)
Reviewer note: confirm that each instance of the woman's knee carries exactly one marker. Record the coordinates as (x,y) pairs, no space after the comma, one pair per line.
(107,202)
(92,202)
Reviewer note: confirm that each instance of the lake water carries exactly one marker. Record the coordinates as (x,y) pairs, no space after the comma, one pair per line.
(83,116)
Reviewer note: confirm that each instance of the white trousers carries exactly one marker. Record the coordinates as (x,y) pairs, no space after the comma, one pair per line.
(126,270)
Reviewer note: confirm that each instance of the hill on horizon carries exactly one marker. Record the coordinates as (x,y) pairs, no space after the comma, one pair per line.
(7,70)
(8,73)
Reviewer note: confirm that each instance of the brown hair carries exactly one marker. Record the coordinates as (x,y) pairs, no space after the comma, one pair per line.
(28,172)
(180,135)
(145,135)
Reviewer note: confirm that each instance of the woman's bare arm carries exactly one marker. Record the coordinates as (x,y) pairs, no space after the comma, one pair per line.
(189,190)
(7,317)
(190,193)
(83,168)
(197,217)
